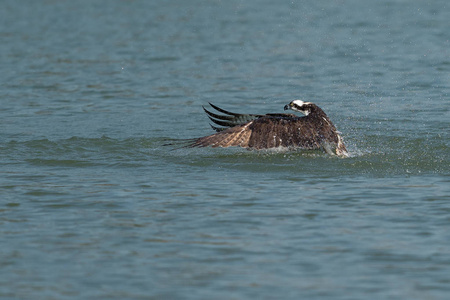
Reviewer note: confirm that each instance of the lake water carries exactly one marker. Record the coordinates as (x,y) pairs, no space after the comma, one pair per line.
(94,206)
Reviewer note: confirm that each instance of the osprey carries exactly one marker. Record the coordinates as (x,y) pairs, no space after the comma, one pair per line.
(314,130)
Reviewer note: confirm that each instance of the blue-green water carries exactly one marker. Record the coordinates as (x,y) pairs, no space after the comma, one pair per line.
(94,206)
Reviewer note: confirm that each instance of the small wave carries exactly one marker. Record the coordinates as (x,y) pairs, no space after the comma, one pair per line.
(80,151)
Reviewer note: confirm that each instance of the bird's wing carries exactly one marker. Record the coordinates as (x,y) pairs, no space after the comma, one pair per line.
(235,136)
(289,132)
(264,133)
(229,119)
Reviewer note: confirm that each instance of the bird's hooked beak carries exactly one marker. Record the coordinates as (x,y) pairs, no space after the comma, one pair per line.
(288,106)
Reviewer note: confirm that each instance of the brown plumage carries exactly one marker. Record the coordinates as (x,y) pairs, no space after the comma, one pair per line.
(312,131)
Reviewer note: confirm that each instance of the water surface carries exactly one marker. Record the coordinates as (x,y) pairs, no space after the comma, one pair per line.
(94,206)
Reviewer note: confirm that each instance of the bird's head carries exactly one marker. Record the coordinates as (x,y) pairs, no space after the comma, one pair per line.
(303,107)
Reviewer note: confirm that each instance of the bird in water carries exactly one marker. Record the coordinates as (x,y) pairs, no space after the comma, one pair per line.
(314,130)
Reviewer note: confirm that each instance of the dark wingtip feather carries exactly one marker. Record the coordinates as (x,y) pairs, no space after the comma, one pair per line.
(223,110)
(222,123)
(218,129)
(216,116)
